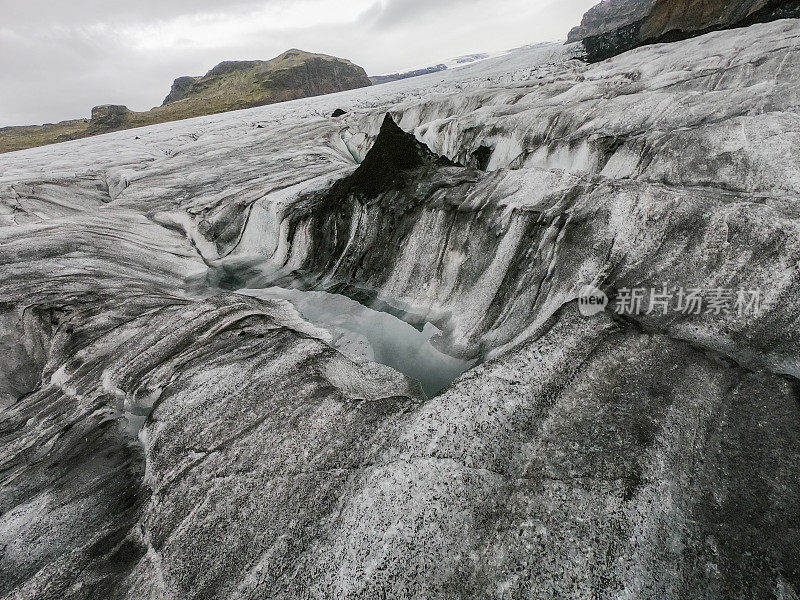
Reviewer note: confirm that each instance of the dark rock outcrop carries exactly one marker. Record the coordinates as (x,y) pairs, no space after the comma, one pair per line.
(391,164)
(110,116)
(482,156)
(616,26)
(608,16)
(181,88)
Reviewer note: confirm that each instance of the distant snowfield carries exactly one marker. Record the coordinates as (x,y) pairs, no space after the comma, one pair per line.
(458,62)
(92,153)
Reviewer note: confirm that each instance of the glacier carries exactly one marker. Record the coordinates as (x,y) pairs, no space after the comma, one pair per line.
(170,429)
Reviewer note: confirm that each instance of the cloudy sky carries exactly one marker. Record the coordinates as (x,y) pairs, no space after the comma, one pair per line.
(58,58)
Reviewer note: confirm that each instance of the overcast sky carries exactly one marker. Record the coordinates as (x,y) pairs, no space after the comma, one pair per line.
(58,58)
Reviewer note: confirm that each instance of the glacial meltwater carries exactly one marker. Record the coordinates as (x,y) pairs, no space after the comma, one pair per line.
(364,333)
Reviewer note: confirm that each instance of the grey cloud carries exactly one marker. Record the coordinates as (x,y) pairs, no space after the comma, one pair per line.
(392,13)
(51,74)
(114,12)
(57,74)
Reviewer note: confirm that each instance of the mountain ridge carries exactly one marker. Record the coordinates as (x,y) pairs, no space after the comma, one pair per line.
(230,85)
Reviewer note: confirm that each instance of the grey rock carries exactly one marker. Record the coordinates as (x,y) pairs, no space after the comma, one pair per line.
(181,88)
(608,16)
(110,116)
(616,26)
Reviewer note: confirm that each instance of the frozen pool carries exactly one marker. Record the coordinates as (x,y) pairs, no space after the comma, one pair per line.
(364,333)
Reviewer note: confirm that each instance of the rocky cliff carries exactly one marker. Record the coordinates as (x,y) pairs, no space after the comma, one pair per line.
(615,26)
(180,89)
(243,84)
(609,16)
(165,436)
